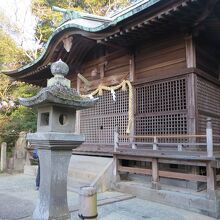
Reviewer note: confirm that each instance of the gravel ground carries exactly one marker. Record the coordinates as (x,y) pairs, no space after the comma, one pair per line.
(18,198)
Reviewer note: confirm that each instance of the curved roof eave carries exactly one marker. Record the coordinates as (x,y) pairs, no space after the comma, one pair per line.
(121,16)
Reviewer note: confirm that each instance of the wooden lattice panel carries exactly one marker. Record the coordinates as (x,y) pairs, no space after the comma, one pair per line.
(98,123)
(161,108)
(202,120)
(161,97)
(107,105)
(208,97)
(161,124)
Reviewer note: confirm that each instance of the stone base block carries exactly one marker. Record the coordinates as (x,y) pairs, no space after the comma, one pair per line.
(30,170)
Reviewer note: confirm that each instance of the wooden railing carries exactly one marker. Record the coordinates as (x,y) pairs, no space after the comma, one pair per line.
(206,158)
(154,140)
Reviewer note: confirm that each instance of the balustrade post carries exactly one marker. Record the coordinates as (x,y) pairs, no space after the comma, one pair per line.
(180,147)
(155,146)
(209,137)
(211,180)
(116,145)
(155,174)
(116,139)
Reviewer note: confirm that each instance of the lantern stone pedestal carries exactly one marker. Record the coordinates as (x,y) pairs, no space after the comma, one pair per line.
(55,139)
(54,153)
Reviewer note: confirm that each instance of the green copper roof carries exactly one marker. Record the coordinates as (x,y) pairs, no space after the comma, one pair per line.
(93,24)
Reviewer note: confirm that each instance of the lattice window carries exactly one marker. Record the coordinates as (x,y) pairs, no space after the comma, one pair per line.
(161,108)
(202,120)
(208,98)
(161,124)
(106,105)
(161,96)
(99,122)
(208,102)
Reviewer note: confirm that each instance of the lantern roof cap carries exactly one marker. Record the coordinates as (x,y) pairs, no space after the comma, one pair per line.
(59,95)
(59,92)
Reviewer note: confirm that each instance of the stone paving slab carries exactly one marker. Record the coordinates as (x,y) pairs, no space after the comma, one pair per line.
(18,198)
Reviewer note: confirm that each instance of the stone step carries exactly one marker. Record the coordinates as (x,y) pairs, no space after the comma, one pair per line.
(87,167)
(85,170)
(96,171)
(84,175)
(74,184)
(78,160)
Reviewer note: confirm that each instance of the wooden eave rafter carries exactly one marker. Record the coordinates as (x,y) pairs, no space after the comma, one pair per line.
(157,22)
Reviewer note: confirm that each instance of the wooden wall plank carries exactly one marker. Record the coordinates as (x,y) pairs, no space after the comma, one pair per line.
(185,176)
(207,58)
(159,59)
(134,170)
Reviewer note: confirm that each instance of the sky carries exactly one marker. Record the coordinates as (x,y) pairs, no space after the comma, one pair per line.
(19,12)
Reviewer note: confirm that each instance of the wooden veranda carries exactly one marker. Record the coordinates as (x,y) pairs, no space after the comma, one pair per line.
(200,150)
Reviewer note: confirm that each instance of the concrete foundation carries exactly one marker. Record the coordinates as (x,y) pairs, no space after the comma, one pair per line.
(199,202)
(196,186)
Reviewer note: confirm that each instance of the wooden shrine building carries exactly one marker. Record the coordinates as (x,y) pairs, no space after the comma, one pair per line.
(155,67)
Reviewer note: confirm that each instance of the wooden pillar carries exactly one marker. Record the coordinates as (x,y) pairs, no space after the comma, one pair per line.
(3,157)
(77,125)
(131,78)
(190,52)
(191,103)
(116,140)
(191,85)
(116,145)
(209,138)
(155,174)
(155,146)
(211,180)
(132,67)
(115,168)
(102,69)
(192,117)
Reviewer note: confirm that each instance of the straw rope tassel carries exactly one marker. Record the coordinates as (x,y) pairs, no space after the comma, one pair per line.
(122,85)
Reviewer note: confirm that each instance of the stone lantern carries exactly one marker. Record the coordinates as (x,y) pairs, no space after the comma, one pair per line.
(55,139)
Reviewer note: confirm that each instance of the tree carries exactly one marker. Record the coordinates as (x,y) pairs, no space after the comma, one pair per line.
(13,118)
(48,19)
(17,29)
(11,56)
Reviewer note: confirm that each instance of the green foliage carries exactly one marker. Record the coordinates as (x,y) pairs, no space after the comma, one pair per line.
(13,119)
(24,90)
(47,19)
(11,56)
(21,119)
(17,119)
